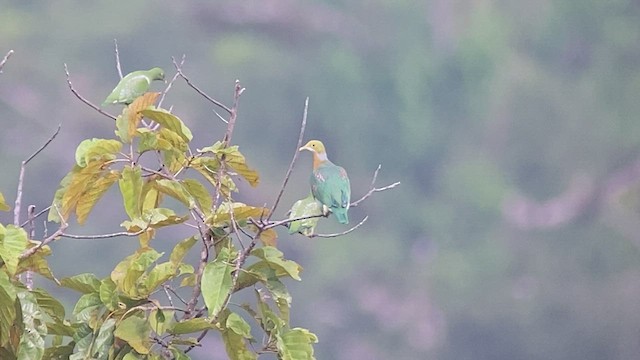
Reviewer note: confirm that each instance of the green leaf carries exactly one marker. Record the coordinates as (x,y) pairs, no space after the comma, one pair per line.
(178,354)
(104,340)
(190,326)
(241,212)
(3,204)
(160,273)
(32,340)
(59,352)
(295,344)
(236,323)
(96,149)
(13,241)
(200,194)
(161,320)
(217,282)
(8,298)
(135,331)
(308,206)
(275,259)
(234,159)
(87,308)
(37,262)
(181,250)
(131,188)
(50,305)
(174,189)
(129,270)
(234,343)
(84,283)
(150,140)
(169,121)
(109,294)
(93,194)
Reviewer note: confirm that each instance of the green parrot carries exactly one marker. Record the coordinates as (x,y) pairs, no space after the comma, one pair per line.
(133,85)
(329,182)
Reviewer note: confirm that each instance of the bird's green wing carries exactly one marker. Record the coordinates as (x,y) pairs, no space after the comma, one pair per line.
(330,185)
(129,88)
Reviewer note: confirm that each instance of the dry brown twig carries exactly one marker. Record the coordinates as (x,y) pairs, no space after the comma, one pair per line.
(118,67)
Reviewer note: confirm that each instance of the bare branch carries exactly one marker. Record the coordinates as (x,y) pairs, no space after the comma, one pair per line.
(102,236)
(28,276)
(4,60)
(373,189)
(18,203)
(87,102)
(36,215)
(173,79)
(118,67)
(238,90)
(293,161)
(63,225)
(340,233)
(212,100)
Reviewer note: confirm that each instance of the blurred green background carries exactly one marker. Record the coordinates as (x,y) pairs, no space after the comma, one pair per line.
(512,126)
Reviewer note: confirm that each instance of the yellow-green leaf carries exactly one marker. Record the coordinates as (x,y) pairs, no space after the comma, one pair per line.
(216,281)
(234,159)
(190,326)
(241,212)
(8,296)
(80,181)
(236,323)
(308,206)
(13,241)
(169,121)
(174,189)
(181,249)
(129,270)
(84,283)
(135,331)
(89,199)
(131,189)
(109,294)
(275,259)
(161,320)
(97,149)
(3,204)
(128,122)
(200,194)
(296,344)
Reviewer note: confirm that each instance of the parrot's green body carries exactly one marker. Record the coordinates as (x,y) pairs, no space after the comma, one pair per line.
(329,182)
(133,85)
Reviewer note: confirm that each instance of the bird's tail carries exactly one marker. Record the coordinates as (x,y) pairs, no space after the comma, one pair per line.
(341,215)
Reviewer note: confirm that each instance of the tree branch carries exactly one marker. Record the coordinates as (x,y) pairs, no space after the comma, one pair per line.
(118,67)
(340,233)
(4,59)
(293,161)
(373,189)
(87,102)
(173,79)
(18,203)
(212,100)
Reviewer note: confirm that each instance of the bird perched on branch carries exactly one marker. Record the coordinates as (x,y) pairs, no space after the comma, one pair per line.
(133,85)
(329,182)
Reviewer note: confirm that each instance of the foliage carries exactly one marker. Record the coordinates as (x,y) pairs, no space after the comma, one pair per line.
(140,311)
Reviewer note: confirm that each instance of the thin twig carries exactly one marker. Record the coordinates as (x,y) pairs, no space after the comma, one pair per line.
(4,59)
(118,67)
(340,233)
(18,203)
(373,189)
(212,100)
(293,161)
(238,90)
(28,276)
(36,215)
(87,102)
(63,226)
(102,236)
(173,79)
